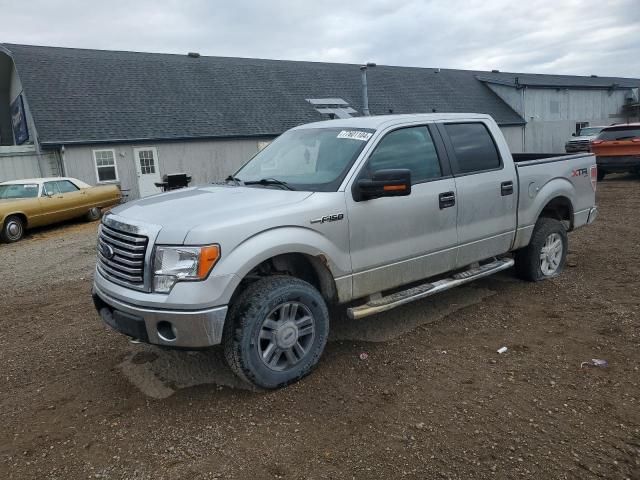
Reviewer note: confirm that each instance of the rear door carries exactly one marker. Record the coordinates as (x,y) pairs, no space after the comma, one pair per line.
(486,191)
(398,240)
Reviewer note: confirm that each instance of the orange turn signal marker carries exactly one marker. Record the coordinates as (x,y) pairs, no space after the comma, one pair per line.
(208,258)
(393,188)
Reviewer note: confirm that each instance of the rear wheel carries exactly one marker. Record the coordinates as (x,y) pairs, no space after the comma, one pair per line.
(94,214)
(546,253)
(276,331)
(13,229)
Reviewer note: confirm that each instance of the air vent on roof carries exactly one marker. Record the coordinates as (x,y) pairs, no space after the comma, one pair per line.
(193,55)
(333,107)
(594,76)
(495,71)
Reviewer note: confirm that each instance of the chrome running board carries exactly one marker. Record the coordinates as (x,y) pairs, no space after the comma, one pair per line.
(382,304)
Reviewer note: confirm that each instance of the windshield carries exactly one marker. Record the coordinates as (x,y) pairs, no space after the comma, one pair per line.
(589,131)
(312,159)
(26,190)
(620,133)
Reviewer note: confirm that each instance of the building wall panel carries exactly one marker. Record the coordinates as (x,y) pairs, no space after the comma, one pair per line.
(206,161)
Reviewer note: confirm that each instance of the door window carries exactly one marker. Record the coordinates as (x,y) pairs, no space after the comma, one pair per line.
(147,162)
(51,188)
(411,148)
(65,186)
(474,147)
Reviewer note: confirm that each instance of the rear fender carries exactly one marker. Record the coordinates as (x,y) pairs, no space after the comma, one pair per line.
(538,199)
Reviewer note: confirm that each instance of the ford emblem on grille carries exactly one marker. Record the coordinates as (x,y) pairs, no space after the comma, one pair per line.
(106,250)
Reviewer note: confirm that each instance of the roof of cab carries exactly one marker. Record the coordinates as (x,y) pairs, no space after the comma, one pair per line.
(380,121)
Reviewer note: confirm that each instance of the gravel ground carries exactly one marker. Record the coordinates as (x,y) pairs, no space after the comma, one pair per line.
(432,399)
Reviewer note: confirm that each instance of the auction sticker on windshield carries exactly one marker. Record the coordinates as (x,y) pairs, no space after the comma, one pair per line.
(355,135)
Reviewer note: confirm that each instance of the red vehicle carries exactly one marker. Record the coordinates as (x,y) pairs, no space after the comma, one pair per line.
(617,149)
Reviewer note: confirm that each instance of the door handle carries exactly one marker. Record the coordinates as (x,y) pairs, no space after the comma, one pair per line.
(506,188)
(447,199)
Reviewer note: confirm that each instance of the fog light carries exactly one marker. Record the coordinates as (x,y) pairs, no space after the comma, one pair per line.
(165,331)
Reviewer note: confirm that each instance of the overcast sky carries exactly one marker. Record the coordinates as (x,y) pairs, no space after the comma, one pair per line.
(544,36)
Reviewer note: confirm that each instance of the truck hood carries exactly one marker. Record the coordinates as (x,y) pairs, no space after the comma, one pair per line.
(585,137)
(179,211)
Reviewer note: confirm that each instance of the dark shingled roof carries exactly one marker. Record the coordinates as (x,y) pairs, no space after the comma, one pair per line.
(556,81)
(89,96)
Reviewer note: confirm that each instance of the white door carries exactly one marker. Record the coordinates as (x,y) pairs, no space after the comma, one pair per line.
(146,161)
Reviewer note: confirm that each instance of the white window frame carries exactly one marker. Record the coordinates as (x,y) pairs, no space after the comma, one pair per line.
(115,164)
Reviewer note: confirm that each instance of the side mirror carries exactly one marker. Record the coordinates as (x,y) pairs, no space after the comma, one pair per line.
(384,183)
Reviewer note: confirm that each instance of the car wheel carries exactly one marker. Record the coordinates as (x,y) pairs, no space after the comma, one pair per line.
(13,229)
(276,331)
(601,174)
(94,214)
(546,254)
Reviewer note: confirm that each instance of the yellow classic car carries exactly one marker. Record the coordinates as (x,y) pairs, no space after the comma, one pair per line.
(43,201)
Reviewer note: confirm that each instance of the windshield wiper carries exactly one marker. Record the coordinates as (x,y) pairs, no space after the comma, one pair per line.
(233,179)
(270,181)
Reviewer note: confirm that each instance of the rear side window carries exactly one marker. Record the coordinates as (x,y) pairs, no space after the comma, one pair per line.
(410,148)
(619,133)
(474,147)
(65,186)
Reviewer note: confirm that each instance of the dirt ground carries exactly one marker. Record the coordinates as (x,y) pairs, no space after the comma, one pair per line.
(433,399)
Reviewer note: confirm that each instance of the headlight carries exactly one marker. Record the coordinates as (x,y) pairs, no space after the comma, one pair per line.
(174,264)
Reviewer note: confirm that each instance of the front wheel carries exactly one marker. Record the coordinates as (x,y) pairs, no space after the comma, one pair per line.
(546,254)
(276,331)
(93,214)
(12,230)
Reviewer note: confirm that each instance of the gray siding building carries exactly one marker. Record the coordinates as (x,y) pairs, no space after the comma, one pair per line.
(129,118)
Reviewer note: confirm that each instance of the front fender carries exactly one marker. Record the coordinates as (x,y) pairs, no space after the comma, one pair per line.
(281,240)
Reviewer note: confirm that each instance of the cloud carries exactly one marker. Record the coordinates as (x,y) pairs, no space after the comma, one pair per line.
(543,36)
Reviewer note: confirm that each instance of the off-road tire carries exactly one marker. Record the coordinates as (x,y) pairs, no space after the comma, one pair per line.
(12,229)
(94,214)
(528,262)
(245,321)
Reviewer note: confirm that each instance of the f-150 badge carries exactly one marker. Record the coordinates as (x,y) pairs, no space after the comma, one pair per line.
(329,218)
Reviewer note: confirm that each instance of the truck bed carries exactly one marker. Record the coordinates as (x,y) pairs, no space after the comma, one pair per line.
(541,177)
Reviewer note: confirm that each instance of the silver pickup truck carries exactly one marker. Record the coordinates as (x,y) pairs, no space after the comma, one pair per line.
(369,212)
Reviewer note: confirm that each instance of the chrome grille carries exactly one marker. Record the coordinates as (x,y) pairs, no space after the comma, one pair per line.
(578,145)
(121,256)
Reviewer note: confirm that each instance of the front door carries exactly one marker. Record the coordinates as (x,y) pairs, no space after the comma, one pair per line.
(146,161)
(56,205)
(399,240)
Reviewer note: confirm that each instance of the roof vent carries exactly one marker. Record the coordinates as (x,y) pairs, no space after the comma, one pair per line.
(437,70)
(594,76)
(333,107)
(193,55)
(495,71)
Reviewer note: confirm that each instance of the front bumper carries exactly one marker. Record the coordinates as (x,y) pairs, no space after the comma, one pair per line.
(172,328)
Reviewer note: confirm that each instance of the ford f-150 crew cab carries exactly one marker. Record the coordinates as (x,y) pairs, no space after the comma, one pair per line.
(368,212)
